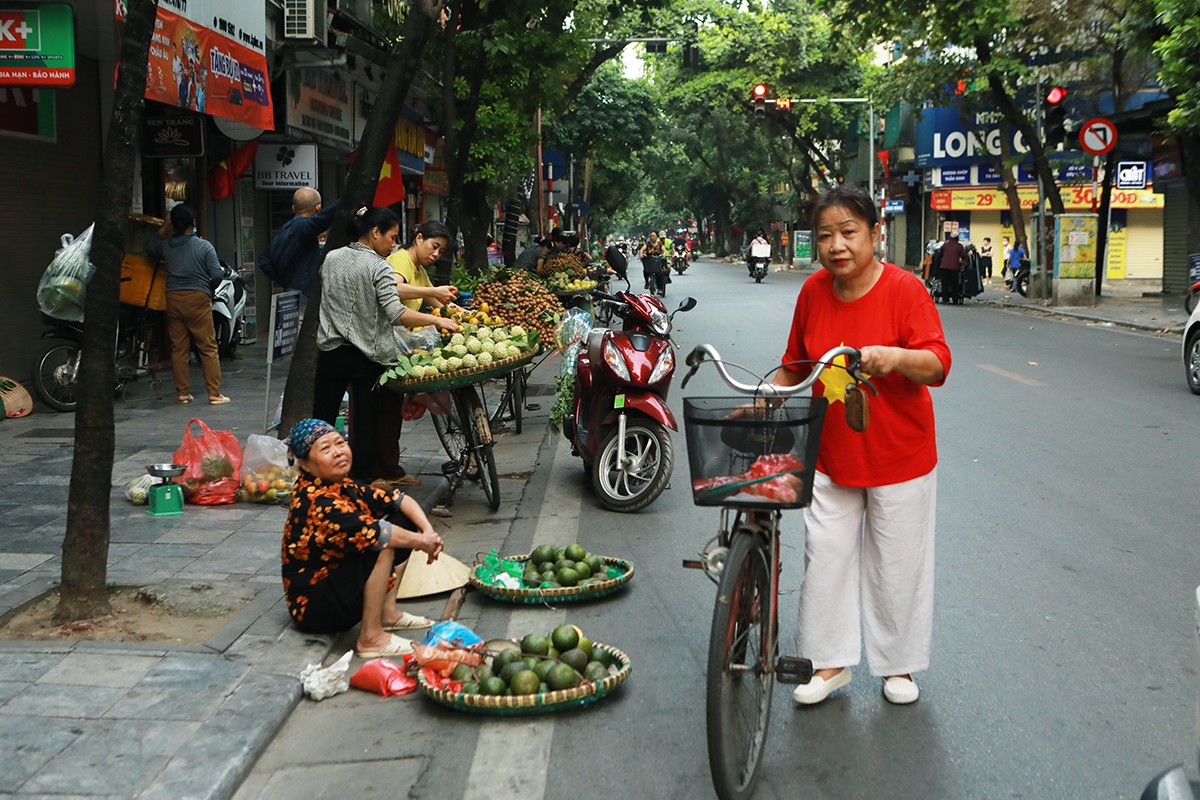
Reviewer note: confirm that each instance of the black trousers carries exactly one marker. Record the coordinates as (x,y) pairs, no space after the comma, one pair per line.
(337,370)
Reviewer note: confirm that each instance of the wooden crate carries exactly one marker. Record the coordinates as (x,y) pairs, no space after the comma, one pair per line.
(147,277)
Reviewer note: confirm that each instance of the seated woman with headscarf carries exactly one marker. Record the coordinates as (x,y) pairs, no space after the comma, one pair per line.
(346,544)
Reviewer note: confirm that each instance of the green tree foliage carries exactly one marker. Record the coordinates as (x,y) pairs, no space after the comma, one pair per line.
(1179,50)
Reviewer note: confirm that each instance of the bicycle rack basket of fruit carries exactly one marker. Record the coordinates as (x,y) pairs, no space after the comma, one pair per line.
(550,575)
(467,358)
(536,675)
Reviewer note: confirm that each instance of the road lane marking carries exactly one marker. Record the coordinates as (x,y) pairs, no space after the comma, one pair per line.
(495,773)
(1003,373)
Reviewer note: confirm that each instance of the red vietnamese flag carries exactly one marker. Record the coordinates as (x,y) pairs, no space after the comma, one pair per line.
(390,188)
(222,177)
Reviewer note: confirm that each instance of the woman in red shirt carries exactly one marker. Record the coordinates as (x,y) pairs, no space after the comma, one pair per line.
(870,528)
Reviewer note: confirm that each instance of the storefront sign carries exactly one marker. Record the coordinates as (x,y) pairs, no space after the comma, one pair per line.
(321,106)
(37,44)
(955,176)
(173,137)
(435,181)
(220,70)
(285,166)
(893,207)
(1131,175)
(944,140)
(1074,197)
(1118,240)
(802,248)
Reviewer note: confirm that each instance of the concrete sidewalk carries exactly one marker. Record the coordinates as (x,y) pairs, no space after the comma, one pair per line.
(103,720)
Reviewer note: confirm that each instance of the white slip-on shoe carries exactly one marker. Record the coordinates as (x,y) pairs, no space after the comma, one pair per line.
(900,691)
(817,689)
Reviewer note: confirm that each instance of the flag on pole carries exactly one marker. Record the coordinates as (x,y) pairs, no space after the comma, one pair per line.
(390,187)
(222,177)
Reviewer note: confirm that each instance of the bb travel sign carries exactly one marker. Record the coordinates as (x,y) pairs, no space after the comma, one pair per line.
(37,44)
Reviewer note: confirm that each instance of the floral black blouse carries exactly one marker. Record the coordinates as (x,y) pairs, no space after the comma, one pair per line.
(327,524)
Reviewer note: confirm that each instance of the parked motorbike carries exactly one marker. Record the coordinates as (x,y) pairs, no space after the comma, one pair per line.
(229,311)
(1020,279)
(759,261)
(620,422)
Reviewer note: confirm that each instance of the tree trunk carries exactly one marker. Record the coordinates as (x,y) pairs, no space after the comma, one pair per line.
(82,593)
(476,218)
(378,135)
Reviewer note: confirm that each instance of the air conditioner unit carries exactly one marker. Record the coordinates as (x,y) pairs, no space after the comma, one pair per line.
(305,19)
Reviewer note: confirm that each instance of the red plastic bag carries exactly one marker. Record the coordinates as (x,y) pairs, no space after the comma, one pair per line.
(214,461)
(384,678)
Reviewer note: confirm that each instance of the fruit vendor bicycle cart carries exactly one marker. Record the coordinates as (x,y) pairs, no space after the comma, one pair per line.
(465,429)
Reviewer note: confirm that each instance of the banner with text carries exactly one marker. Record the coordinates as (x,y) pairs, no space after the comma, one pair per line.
(1074,197)
(221,70)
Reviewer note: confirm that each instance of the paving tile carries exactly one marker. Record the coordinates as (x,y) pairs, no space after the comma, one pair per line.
(10,689)
(27,667)
(97,669)
(186,703)
(194,672)
(56,700)
(193,535)
(26,746)
(362,779)
(111,757)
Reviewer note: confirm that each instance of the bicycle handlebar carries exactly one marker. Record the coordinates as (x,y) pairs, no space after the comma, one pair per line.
(703,352)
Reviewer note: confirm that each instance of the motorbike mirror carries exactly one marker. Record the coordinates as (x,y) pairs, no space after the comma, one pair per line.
(1171,784)
(687,305)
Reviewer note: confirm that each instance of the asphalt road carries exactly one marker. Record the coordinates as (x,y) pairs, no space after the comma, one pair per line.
(1064,641)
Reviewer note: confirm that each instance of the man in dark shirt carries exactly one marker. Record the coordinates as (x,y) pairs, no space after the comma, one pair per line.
(951,264)
(532,256)
(294,256)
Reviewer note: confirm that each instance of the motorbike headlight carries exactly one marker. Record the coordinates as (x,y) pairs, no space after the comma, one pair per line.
(666,363)
(660,323)
(616,361)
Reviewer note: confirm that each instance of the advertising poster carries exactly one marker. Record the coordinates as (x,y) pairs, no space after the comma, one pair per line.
(220,70)
(1076,237)
(37,44)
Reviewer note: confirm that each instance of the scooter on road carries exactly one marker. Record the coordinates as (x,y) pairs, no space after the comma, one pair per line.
(759,261)
(620,419)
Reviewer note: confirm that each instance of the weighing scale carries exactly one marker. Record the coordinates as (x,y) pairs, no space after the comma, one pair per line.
(165,499)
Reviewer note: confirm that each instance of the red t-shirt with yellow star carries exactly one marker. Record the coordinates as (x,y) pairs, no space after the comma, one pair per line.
(900,442)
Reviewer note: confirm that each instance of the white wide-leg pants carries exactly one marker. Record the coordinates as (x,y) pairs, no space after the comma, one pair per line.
(868,555)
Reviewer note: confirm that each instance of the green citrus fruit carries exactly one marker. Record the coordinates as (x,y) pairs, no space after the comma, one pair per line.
(525,682)
(564,563)
(564,637)
(595,564)
(583,570)
(542,553)
(510,669)
(470,687)
(561,676)
(603,656)
(504,657)
(575,552)
(576,658)
(535,644)
(463,673)
(567,576)
(543,667)
(483,672)
(585,644)
(492,685)
(595,671)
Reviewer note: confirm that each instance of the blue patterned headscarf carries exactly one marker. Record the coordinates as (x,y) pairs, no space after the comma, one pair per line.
(305,434)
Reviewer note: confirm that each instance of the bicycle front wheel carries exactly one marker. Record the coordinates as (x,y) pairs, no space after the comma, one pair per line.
(740,682)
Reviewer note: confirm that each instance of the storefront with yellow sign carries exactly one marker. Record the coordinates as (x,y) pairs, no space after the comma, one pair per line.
(1134,261)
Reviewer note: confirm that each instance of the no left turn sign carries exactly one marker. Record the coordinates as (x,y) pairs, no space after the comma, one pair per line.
(1098,136)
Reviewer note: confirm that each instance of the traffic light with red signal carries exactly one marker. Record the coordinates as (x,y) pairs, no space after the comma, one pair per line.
(760,100)
(1054,116)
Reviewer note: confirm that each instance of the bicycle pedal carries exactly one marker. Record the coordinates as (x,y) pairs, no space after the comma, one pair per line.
(793,670)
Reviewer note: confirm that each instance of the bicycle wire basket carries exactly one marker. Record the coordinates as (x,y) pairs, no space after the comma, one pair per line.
(762,460)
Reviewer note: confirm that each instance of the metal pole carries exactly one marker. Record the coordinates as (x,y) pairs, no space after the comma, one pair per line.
(541,192)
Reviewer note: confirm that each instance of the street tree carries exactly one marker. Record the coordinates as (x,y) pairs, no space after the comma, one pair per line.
(82,593)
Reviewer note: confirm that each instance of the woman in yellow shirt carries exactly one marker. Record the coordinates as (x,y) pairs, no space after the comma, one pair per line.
(415,289)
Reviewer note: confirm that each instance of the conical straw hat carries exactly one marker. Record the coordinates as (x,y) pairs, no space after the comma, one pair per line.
(422,578)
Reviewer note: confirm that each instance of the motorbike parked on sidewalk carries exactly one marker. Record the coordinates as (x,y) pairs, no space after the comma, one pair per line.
(759,261)
(1020,278)
(229,311)
(620,419)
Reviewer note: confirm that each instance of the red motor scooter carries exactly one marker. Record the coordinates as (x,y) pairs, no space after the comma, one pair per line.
(620,420)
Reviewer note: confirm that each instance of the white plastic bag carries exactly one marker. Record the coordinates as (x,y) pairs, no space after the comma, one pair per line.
(266,475)
(138,491)
(321,682)
(427,338)
(62,289)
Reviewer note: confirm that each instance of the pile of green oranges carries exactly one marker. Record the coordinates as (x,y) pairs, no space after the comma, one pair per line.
(553,567)
(562,660)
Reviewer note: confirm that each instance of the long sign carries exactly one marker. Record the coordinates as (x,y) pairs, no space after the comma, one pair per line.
(220,70)
(37,44)
(1073,197)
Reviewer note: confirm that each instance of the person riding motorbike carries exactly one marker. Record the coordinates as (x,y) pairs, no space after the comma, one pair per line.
(759,239)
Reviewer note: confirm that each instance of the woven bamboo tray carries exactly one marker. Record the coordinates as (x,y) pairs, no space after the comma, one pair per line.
(463,377)
(563,594)
(524,704)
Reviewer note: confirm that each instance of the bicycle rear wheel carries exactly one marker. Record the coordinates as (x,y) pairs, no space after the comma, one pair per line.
(740,653)
(479,436)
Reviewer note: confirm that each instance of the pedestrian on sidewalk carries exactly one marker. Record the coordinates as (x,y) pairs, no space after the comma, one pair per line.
(193,269)
(293,258)
(346,546)
(985,258)
(1006,253)
(359,307)
(952,261)
(869,533)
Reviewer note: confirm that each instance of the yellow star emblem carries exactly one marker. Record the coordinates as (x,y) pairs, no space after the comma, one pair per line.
(835,379)
(385,171)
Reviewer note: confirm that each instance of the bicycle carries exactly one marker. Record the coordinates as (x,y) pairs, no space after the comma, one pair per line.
(466,436)
(754,462)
